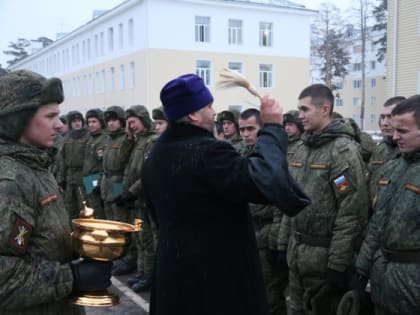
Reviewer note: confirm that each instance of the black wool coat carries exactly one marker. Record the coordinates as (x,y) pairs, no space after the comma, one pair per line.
(197,189)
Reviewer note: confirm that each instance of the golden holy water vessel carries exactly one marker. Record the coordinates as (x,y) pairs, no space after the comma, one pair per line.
(100,240)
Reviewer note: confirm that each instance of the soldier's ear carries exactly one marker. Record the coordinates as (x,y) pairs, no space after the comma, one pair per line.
(326,109)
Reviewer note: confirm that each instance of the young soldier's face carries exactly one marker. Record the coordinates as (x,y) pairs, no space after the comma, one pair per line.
(406,132)
(160,126)
(385,120)
(313,117)
(229,128)
(43,127)
(248,129)
(291,129)
(93,124)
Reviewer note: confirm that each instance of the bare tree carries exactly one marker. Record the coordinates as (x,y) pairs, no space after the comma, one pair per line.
(328,49)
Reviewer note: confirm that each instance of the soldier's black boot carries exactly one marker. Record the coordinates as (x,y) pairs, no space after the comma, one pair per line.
(136,278)
(120,268)
(143,284)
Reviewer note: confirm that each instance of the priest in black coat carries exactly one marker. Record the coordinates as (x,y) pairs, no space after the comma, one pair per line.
(198,189)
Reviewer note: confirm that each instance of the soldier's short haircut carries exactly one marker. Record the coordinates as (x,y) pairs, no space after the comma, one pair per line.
(394,100)
(320,94)
(252,112)
(409,105)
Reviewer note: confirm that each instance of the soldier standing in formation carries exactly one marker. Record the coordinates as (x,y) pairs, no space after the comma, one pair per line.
(160,120)
(230,129)
(294,129)
(37,274)
(92,165)
(266,219)
(321,241)
(142,248)
(387,149)
(71,162)
(390,255)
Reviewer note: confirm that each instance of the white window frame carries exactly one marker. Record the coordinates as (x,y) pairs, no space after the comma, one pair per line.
(235,32)
(202,29)
(203,70)
(266,73)
(266,34)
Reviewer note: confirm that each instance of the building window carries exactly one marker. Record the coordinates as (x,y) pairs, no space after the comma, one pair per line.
(90,84)
(112,79)
(88,55)
(266,76)
(372,118)
(122,77)
(266,34)
(97,82)
(103,81)
(356,101)
(373,83)
(372,65)
(132,73)
(339,102)
(110,39)
(236,66)
(372,100)
(357,66)
(202,29)
(235,32)
(96,45)
(83,51)
(130,32)
(102,43)
(356,118)
(357,84)
(203,70)
(121,36)
(339,85)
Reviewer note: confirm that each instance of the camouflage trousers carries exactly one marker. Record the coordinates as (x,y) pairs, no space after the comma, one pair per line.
(116,213)
(73,201)
(276,280)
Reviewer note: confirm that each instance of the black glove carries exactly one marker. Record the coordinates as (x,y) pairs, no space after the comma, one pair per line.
(119,201)
(359,283)
(277,258)
(96,190)
(128,197)
(336,280)
(90,275)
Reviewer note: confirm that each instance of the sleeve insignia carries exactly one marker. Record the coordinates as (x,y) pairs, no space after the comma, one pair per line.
(342,184)
(413,188)
(296,164)
(21,233)
(377,162)
(48,199)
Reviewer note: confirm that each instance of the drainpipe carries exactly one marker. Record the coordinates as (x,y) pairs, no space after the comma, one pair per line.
(394,55)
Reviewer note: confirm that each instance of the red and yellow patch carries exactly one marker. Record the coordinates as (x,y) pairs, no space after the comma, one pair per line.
(342,184)
(21,234)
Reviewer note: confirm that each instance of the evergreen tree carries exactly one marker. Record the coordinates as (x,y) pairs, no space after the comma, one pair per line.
(380,13)
(18,50)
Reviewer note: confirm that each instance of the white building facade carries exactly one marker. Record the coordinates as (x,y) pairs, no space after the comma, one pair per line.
(127,54)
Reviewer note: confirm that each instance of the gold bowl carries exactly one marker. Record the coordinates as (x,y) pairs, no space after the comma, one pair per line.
(101,240)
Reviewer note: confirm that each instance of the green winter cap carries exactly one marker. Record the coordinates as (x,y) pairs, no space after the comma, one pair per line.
(141,113)
(292,116)
(23,89)
(158,113)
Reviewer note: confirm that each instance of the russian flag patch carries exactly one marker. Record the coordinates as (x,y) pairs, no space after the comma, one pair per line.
(342,184)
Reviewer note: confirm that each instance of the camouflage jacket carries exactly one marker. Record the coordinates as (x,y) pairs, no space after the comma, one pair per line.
(293,144)
(94,152)
(131,180)
(385,151)
(330,169)
(237,143)
(72,157)
(395,286)
(35,242)
(116,155)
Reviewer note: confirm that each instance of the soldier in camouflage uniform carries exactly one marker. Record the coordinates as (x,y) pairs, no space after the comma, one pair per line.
(94,152)
(266,219)
(387,149)
(390,254)
(294,129)
(72,152)
(139,127)
(160,121)
(229,120)
(37,273)
(116,155)
(321,241)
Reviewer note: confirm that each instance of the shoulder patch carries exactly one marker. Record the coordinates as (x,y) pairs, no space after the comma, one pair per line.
(342,184)
(8,168)
(21,234)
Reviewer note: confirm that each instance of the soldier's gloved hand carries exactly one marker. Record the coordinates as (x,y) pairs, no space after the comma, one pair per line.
(119,201)
(90,275)
(128,197)
(336,280)
(359,283)
(96,190)
(62,185)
